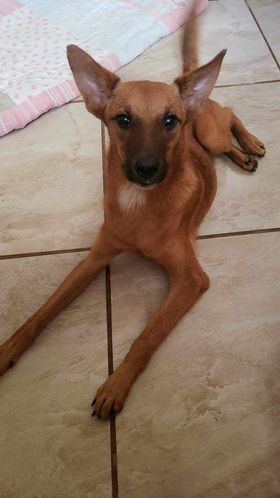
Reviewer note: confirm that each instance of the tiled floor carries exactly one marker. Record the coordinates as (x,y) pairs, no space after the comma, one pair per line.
(203,419)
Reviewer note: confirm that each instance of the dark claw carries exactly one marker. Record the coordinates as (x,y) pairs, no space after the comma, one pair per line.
(93,413)
(93,403)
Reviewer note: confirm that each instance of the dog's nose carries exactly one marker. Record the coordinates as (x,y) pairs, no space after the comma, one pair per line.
(147,169)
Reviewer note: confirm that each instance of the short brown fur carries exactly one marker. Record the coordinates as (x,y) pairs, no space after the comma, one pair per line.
(161,223)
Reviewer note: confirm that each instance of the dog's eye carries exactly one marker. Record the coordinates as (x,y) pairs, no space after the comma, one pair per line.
(170,120)
(123,120)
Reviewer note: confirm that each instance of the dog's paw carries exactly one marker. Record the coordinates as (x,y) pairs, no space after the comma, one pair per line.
(110,397)
(250,164)
(254,146)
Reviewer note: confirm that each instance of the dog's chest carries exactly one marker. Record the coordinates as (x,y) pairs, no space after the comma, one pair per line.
(130,197)
(138,228)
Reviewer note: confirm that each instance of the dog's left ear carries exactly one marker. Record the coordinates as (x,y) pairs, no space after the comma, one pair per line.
(95,83)
(195,87)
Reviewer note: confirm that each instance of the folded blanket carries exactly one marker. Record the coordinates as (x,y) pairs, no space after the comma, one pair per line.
(35,75)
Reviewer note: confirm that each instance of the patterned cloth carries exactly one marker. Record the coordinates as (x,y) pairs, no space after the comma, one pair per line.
(35,75)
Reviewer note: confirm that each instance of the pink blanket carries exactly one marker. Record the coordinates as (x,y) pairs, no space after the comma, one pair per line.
(35,76)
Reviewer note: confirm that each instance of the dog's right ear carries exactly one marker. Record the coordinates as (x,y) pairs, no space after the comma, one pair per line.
(195,87)
(95,83)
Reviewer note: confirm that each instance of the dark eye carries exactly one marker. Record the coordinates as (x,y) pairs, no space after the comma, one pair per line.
(170,120)
(123,120)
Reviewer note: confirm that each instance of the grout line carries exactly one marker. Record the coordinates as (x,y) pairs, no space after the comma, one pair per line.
(109,319)
(85,249)
(263,35)
(237,234)
(229,85)
(44,253)
(249,83)
(114,462)
(113,436)
(113,430)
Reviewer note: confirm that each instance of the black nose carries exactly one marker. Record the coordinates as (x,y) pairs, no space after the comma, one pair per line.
(147,169)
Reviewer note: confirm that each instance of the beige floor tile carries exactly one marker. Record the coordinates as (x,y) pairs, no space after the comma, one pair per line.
(51,183)
(224,24)
(247,201)
(202,421)
(267,13)
(50,447)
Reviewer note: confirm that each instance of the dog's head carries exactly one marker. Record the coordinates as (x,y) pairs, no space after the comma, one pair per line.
(144,118)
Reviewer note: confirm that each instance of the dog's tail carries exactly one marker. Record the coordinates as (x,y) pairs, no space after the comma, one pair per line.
(190,40)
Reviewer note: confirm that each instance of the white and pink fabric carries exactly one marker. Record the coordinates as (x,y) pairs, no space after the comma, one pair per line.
(35,76)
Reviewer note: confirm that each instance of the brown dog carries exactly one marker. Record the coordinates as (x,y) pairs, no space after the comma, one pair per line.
(160,183)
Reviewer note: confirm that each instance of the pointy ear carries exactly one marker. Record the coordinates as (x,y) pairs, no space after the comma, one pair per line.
(95,83)
(195,87)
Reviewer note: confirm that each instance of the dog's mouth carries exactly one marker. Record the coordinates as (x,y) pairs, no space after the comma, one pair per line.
(146,175)
(145,187)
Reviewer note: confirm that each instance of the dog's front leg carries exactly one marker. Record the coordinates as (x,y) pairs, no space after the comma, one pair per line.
(187,283)
(80,277)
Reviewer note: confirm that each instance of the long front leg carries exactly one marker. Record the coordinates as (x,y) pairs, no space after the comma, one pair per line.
(80,277)
(187,283)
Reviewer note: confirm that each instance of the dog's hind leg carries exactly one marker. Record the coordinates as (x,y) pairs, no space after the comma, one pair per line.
(214,127)
(248,142)
(80,277)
